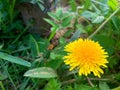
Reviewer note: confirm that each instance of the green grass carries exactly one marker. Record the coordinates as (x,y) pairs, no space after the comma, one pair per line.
(32,62)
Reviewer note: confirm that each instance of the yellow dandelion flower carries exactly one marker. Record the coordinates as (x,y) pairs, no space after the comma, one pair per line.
(86,55)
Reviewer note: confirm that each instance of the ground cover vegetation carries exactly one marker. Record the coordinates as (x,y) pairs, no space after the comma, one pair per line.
(59,45)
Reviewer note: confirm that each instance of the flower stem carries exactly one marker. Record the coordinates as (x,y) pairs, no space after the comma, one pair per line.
(99,28)
(89,81)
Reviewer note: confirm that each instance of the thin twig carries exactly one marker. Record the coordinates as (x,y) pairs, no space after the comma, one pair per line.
(89,81)
(69,81)
(100,27)
(99,79)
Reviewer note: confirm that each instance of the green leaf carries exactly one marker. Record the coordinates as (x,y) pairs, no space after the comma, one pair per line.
(1,45)
(55,64)
(3,76)
(53,31)
(116,22)
(65,15)
(59,12)
(53,16)
(50,22)
(52,85)
(40,6)
(89,15)
(76,35)
(85,87)
(106,42)
(98,19)
(42,72)
(117,76)
(62,40)
(103,86)
(87,4)
(69,88)
(117,88)
(21,48)
(113,4)
(33,1)
(53,55)
(34,47)
(66,21)
(113,61)
(73,5)
(68,33)
(14,59)
(43,44)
